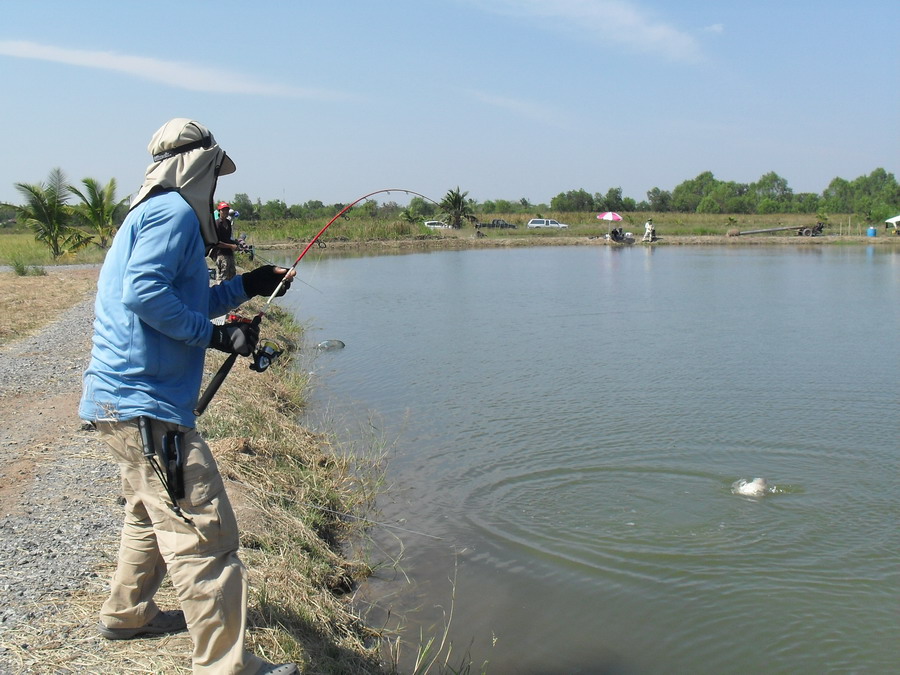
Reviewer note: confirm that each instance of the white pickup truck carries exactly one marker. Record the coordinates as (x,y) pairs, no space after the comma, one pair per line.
(547,222)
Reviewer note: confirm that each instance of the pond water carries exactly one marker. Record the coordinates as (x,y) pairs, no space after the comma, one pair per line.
(565,426)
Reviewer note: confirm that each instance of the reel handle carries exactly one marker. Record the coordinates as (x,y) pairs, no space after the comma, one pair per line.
(219,377)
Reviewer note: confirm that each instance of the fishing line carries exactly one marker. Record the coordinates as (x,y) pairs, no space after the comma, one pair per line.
(296,278)
(366,520)
(342,514)
(338,215)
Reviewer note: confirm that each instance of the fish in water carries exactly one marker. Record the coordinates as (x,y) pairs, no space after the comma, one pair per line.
(754,488)
(329,345)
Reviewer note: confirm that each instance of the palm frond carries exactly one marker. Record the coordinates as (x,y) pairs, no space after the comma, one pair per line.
(47,213)
(98,208)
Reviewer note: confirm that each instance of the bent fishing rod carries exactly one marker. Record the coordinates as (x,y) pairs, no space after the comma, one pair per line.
(264,356)
(338,215)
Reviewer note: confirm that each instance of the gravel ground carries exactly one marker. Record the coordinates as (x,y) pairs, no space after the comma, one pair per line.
(58,513)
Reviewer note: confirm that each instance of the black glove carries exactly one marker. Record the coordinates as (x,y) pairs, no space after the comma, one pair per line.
(264,280)
(235,338)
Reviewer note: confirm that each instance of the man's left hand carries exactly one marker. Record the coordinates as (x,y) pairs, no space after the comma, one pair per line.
(264,280)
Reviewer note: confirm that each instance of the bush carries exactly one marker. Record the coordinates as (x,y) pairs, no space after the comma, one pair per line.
(22,270)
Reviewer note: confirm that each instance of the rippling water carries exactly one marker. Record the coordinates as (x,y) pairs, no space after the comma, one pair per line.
(570,422)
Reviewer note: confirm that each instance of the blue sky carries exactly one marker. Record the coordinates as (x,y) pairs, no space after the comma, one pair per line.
(503,98)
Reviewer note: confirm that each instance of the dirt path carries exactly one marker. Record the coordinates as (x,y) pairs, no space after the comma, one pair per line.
(32,428)
(58,516)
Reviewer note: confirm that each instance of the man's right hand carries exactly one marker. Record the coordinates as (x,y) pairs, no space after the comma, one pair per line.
(235,338)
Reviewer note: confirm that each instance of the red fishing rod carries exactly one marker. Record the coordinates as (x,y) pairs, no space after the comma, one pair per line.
(264,356)
(338,215)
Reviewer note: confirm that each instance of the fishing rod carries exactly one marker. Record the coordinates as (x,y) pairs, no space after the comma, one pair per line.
(264,356)
(338,215)
(253,254)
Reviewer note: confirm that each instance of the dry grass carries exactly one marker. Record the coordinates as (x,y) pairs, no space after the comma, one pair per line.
(29,303)
(290,488)
(67,642)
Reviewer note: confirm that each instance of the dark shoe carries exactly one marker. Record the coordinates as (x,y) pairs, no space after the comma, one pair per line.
(283,669)
(164,623)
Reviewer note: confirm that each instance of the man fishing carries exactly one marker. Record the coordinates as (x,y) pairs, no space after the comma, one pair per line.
(226,245)
(151,333)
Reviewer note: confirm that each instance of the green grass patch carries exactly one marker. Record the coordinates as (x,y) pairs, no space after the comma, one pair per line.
(21,248)
(20,269)
(353,228)
(362,228)
(672,224)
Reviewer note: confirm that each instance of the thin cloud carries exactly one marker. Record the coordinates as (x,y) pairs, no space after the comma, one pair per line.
(616,22)
(172,73)
(527,109)
(715,28)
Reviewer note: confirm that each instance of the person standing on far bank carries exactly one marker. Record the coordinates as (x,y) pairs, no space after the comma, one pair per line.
(151,333)
(226,245)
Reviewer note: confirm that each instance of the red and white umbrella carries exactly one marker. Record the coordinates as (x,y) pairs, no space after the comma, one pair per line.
(609,215)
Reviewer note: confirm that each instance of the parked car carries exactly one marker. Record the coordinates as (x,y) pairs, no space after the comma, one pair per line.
(436,225)
(497,222)
(547,222)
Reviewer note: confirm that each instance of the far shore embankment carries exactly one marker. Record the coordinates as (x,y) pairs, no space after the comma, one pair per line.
(466,240)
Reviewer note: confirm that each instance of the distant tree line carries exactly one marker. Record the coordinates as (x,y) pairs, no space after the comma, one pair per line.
(65,227)
(874,197)
(277,209)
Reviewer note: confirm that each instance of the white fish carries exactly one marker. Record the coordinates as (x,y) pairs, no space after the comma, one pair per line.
(330,345)
(754,488)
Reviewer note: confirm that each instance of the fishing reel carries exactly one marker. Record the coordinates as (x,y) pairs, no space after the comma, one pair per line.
(244,247)
(265,355)
(267,351)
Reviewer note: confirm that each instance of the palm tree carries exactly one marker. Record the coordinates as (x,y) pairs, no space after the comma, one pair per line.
(456,207)
(47,214)
(407,215)
(98,208)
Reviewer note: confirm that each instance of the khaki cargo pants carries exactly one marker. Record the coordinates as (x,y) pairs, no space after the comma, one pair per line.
(225,267)
(201,558)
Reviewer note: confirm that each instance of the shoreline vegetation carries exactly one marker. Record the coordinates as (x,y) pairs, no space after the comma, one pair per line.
(300,499)
(20,250)
(672,229)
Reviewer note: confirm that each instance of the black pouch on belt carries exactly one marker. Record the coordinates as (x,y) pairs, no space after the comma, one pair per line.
(173,454)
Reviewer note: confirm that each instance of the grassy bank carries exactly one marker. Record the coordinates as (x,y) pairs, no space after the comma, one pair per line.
(22,248)
(296,496)
(360,228)
(291,489)
(19,248)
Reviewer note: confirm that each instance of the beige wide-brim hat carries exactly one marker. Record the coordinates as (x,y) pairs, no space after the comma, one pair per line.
(187,158)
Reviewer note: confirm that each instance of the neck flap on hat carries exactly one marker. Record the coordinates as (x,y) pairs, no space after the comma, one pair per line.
(187,159)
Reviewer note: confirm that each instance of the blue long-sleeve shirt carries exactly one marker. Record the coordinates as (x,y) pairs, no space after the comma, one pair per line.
(152,317)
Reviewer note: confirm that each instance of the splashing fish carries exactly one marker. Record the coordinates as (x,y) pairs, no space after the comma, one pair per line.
(754,488)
